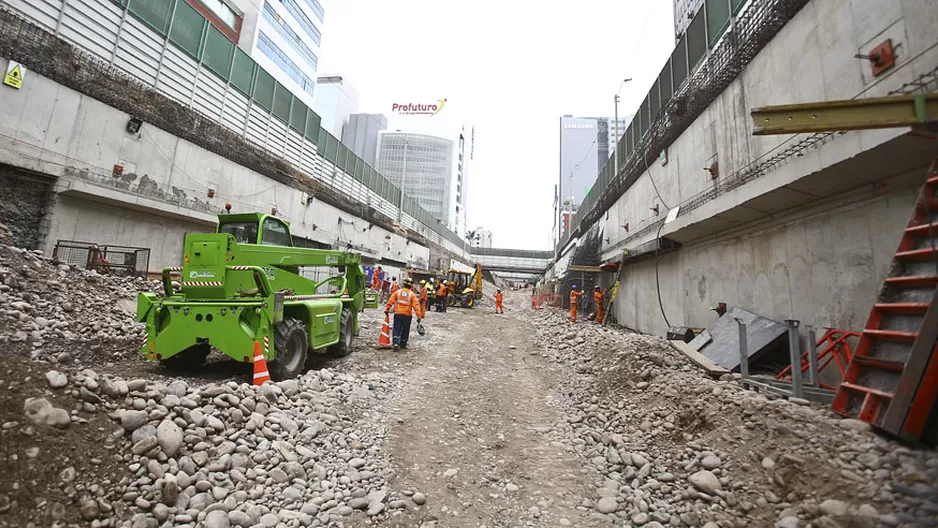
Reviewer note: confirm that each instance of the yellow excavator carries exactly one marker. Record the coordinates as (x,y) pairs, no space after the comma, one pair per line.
(465,288)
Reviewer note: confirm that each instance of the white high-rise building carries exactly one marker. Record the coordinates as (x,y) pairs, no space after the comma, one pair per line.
(481,238)
(684,12)
(335,101)
(283,37)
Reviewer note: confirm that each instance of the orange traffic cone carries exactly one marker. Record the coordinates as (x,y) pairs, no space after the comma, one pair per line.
(261,374)
(384,340)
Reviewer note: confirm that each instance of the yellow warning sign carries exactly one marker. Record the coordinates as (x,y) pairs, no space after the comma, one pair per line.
(14,76)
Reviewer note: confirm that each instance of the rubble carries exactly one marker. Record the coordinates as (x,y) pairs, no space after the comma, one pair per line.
(65,315)
(666,444)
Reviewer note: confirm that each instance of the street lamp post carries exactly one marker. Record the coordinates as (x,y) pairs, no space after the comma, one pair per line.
(616,101)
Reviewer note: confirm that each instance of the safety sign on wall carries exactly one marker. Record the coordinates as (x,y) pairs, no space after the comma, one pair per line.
(14,76)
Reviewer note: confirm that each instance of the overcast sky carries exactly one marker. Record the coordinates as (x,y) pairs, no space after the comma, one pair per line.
(511,68)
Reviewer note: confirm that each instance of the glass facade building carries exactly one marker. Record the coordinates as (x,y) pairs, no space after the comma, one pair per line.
(422,166)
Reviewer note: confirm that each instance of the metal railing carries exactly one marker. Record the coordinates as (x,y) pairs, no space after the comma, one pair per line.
(121,261)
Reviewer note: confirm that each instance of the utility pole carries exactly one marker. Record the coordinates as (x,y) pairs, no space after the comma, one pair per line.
(616,101)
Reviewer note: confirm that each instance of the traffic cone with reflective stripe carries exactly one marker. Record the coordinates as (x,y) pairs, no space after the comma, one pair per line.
(384,340)
(260,366)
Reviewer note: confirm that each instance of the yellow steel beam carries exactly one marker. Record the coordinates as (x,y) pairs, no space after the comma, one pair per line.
(585,269)
(856,114)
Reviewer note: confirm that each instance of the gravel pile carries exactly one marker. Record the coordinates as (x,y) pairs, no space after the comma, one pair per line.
(302,452)
(60,314)
(668,446)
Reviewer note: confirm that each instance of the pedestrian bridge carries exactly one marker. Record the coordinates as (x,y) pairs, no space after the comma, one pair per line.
(515,261)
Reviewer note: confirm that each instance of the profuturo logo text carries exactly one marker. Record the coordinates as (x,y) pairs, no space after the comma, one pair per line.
(430,109)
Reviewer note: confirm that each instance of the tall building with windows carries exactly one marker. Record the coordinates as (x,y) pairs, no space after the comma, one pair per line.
(684,11)
(335,101)
(284,37)
(361,135)
(481,238)
(586,144)
(423,166)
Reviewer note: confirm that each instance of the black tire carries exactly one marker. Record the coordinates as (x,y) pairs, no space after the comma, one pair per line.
(468,301)
(451,300)
(346,332)
(291,343)
(189,359)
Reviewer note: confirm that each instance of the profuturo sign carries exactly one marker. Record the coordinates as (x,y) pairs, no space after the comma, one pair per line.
(430,109)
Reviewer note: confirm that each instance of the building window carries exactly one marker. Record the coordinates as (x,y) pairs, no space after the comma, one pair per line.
(290,36)
(222,11)
(283,62)
(304,20)
(317,8)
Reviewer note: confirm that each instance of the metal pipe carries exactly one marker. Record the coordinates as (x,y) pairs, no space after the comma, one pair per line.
(813,378)
(794,352)
(743,349)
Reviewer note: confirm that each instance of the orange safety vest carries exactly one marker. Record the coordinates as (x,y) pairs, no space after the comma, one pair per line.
(574,295)
(424,293)
(498,298)
(598,297)
(376,279)
(404,302)
(441,291)
(395,287)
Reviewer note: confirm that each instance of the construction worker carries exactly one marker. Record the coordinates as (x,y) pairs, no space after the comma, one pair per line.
(376,279)
(574,297)
(498,302)
(423,295)
(394,285)
(598,299)
(405,304)
(441,297)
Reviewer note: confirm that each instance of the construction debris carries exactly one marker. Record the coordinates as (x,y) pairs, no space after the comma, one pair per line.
(666,444)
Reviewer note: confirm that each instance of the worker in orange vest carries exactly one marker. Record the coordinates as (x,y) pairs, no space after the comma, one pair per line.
(441,292)
(574,297)
(405,304)
(424,294)
(376,279)
(498,301)
(598,298)
(394,285)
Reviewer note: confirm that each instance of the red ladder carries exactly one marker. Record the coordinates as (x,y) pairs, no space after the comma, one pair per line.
(892,379)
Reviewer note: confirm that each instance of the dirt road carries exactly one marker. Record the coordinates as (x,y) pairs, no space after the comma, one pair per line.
(470,427)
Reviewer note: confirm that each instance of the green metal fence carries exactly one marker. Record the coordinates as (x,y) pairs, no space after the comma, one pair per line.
(188,30)
(705,30)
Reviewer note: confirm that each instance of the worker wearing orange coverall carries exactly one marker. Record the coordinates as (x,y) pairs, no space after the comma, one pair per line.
(404,303)
(598,298)
(574,297)
(498,302)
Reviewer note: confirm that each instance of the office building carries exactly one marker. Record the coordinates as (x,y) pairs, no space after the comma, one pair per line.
(336,99)
(586,143)
(282,36)
(606,128)
(361,135)
(684,12)
(423,166)
(458,214)
(481,238)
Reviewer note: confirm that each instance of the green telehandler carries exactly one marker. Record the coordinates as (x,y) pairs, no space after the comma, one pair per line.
(243,285)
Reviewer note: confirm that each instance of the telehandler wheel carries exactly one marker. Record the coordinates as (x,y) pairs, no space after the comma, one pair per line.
(291,343)
(451,300)
(346,332)
(189,359)
(467,301)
